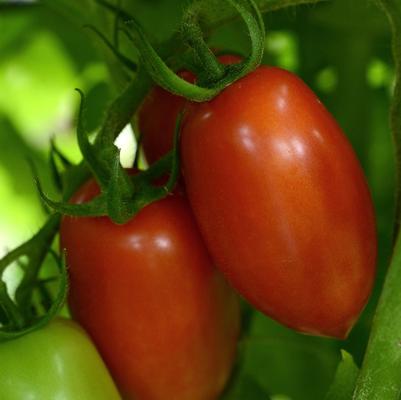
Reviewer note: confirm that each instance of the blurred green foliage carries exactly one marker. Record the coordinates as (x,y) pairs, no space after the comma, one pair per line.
(340,48)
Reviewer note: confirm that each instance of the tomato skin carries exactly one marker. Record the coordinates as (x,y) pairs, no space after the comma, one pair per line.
(282,202)
(163,318)
(157,118)
(56,362)
(158,114)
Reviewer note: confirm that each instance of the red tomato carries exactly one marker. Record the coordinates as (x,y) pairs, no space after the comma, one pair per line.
(162,317)
(158,114)
(281,201)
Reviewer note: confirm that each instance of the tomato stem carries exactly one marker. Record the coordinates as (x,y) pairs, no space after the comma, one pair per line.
(165,77)
(210,67)
(123,108)
(380,376)
(393,10)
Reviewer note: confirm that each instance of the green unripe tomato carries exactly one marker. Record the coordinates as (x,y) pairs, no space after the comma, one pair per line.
(56,362)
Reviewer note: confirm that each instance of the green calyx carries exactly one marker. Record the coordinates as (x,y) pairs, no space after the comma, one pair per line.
(122,195)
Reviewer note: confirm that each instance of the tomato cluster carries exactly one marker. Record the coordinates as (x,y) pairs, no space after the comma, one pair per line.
(280,206)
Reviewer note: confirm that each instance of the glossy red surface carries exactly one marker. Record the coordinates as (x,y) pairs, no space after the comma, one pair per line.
(162,317)
(282,202)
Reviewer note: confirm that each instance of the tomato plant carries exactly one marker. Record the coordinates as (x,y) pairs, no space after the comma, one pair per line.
(275,187)
(281,201)
(56,362)
(163,318)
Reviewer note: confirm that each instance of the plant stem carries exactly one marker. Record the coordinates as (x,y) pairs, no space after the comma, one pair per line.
(380,376)
(123,109)
(193,35)
(392,8)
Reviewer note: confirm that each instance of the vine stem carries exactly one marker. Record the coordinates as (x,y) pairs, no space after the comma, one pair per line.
(392,8)
(123,108)
(380,376)
(194,36)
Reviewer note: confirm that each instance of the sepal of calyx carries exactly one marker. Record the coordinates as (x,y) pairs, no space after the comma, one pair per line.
(121,195)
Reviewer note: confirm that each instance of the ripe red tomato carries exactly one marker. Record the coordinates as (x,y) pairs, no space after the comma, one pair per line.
(158,114)
(281,201)
(162,317)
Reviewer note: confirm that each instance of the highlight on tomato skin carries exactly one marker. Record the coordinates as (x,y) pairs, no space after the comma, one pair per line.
(158,114)
(163,318)
(282,202)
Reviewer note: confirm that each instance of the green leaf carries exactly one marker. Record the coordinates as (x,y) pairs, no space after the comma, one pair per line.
(344,380)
